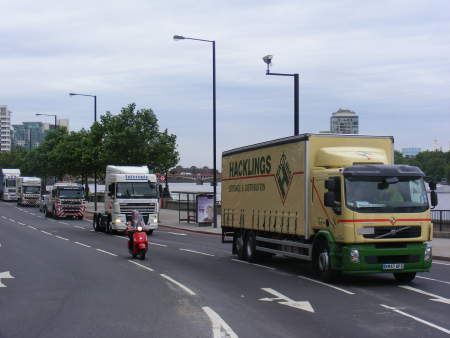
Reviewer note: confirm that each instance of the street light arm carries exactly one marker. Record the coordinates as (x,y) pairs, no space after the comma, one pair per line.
(180,37)
(76,94)
(280,74)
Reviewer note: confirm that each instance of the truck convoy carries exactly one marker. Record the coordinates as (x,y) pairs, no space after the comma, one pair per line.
(66,200)
(128,188)
(28,190)
(335,200)
(8,184)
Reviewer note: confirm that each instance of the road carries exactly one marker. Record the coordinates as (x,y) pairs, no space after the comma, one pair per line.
(58,278)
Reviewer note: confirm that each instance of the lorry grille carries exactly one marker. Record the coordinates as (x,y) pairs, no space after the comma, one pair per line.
(393,232)
(143,208)
(392,259)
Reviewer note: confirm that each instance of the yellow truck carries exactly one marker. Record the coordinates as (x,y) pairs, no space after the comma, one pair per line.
(336,200)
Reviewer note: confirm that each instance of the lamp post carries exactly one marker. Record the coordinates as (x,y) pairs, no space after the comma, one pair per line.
(268,60)
(48,115)
(213,42)
(95,120)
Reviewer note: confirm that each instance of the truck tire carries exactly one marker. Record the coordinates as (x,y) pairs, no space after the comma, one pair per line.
(239,242)
(250,247)
(404,277)
(96,220)
(322,262)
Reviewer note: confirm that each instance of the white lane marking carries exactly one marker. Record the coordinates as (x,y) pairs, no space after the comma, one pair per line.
(63,223)
(77,226)
(157,244)
(107,252)
(91,230)
(185,288)
(63,238)
(435,280)
(4,217)
(177,233)
(5,275)
(21,223)
(326,284)
(435,298)
(120,237)
(219,326)
(301,305)
(31,227)
(261,266)
(11,220)
(197,252)
(140,265)
(440,263)
(85,245)
(416,318)
(47,233)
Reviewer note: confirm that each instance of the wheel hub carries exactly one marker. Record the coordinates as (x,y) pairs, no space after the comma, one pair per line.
(323,261)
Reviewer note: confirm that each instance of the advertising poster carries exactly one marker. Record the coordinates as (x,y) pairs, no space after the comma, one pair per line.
(205,209)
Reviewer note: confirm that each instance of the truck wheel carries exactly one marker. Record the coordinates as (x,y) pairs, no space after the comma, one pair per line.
(47,214)
(322,262)
(250,247)
(96,223)
(404,277)
(239,242)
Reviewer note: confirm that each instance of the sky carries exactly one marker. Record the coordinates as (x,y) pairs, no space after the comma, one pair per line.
(389,61)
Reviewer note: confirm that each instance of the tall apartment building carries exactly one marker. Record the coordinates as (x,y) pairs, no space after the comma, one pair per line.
(5,128)
(29,134)
(344,121)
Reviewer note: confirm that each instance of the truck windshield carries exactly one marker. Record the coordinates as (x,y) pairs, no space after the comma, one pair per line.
(31,190)
(375,195)
(137,190)
(70,193)
(10,183)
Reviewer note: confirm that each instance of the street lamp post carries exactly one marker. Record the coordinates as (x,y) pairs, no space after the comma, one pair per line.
(213,42)
(48,115)
(268,60)
(95,120)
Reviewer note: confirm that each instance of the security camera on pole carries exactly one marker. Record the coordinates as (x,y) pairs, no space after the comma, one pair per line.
(268,60)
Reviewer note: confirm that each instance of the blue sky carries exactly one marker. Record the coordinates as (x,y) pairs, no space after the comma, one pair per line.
(389,61)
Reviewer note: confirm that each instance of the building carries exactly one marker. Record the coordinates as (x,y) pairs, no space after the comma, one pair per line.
(29,134)
(411,152)
(344,121)
(63,123)
(5,128)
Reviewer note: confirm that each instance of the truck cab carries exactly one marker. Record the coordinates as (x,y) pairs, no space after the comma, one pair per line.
(129,188)
(8,184)
(66,200)
(28,190)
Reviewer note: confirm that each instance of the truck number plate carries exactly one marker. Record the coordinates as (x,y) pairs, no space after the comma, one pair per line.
(398,266)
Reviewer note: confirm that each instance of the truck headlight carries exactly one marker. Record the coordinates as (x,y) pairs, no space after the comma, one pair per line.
(354,255)
(428,253)
(153,219)
(118,220)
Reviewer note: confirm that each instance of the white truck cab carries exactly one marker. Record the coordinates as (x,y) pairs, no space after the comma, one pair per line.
(28,190)
(128,188)
(8,184)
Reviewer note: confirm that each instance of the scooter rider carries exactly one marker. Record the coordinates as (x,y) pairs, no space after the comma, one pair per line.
(136,221)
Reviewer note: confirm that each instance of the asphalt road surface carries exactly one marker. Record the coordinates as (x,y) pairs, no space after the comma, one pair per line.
(59,278)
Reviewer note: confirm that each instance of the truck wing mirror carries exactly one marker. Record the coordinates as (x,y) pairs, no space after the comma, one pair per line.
(329,199)
(330,184)
(432,185)
(434,198)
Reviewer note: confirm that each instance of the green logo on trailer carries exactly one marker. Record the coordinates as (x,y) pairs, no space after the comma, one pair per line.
(283,177)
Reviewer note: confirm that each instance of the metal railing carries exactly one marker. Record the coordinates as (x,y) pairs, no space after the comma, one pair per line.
(441,219)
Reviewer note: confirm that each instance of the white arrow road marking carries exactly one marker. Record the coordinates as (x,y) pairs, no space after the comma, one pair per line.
(416,318)
(435,298)
(220,328)
(303,305)
(5,274)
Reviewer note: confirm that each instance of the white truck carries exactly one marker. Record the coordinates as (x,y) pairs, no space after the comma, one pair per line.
(8,184)
(128,188)
(28,190)
(66,200)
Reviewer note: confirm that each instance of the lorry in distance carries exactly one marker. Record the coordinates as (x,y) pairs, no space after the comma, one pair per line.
(65,200)
(28,190)
(128,188)
(8,184)
(338,201)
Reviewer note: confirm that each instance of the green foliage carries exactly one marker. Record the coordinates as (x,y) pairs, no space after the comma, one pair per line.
(435,164)
(129,138)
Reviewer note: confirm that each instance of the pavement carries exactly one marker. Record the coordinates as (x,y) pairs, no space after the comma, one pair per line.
(58,277)
(170,218)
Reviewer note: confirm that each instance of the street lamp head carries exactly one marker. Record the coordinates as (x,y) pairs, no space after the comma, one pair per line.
(178,37)
(268,59)
(72,94)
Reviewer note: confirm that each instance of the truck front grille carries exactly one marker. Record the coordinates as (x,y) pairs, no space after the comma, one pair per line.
(384,232)
(144,208)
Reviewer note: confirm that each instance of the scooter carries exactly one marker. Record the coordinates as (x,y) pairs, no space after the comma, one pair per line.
(140,243)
